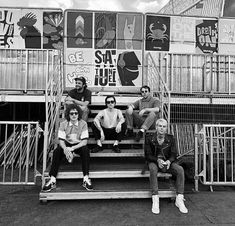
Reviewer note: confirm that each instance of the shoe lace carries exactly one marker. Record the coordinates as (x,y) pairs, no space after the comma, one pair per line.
(88,181)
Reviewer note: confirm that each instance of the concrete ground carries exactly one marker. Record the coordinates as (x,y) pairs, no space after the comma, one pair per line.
(20,206)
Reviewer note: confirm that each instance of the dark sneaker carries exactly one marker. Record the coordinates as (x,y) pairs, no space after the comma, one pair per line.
(116,149)
(139,135)
(130,133)
(49,186)
(96,149)
(87,184)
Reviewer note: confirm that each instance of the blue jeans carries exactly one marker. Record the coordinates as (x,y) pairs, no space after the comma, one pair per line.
(174,169)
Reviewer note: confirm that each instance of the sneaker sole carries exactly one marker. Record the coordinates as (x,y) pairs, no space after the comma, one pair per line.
(48,189)
(179,209)
(88,189)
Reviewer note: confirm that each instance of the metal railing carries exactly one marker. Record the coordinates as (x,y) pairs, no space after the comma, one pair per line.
(215,155)
(53,97)
(197,73)
(26,70)
(18,152)
(158,87)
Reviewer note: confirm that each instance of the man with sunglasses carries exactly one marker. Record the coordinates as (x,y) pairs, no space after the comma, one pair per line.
(80,96)
(149,108)
(160,153)
(73,136)
(109,124)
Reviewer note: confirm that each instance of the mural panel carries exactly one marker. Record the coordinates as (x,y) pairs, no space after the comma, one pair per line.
(182,35)
(157,37)
(227,36)
(206,36)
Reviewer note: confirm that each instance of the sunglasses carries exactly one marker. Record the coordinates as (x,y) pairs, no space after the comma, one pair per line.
(110,102)
(73,113)
(144,91)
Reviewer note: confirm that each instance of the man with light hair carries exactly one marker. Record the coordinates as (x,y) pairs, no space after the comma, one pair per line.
(161,153)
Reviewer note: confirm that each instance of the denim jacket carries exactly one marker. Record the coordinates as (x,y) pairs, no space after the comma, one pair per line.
(154,151)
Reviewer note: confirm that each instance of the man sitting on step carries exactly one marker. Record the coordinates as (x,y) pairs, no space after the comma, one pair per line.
(160,153)
(149,108)
(109,124)
(73,136)
(81,96)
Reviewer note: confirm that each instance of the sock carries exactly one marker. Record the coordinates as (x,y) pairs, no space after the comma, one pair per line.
(99,143)
(85,178)
(53,179)
(115,143)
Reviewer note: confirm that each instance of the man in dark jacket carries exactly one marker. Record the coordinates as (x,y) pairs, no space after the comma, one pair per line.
(161,153)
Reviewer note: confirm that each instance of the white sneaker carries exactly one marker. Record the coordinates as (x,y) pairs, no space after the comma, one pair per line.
(155,205)
(179,202)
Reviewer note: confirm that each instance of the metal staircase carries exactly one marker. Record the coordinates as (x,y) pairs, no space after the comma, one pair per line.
(114,175)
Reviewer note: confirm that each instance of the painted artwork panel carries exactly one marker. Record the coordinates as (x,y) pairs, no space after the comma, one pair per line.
(78,62)
(9,31)
(105,68)
(130,31)
(206,36)
(227,36)
(182,35)
(31,28)
(157,34)
(52,30)
(129,68)
(105,30)
(79,29)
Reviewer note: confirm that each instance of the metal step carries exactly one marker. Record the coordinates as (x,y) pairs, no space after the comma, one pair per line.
(107,174)
(124,153)
(129,141)
(79,195)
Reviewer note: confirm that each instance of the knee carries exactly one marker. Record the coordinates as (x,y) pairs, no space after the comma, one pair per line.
(152,114)
(180,170)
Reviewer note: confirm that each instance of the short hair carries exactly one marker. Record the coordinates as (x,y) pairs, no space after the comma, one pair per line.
(83,80)
(110,96)
(161,120)
(70,107)
(145,87)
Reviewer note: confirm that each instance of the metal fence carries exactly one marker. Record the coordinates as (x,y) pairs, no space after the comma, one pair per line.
(26,70)
(197,73)
(158,87)
(18,152)
(215,155)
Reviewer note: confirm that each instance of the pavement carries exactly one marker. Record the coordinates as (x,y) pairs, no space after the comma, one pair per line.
(20,205)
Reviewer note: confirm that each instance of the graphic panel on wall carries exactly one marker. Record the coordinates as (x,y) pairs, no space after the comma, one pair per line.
(157,36)
(227,36)
(30,25)
(182,35)
(79,63)
(105,68)
(79,29)
(129,33)
(105,30)
(206,36)
(129,68)
(9,30)
(52,30)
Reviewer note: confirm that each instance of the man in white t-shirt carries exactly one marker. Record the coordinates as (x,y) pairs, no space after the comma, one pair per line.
(109,124)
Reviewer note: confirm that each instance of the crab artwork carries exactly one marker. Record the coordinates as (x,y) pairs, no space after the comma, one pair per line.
(158,33)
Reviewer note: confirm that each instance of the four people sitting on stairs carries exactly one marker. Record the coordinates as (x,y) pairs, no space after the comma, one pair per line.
(161,153)
(73,136)
(109,124)
(149,108)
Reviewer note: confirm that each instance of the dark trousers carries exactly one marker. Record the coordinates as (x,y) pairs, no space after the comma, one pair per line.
(175,169)
(109,133)
(58,155)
